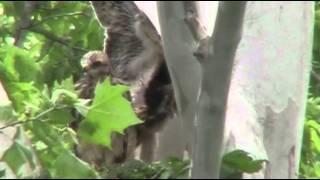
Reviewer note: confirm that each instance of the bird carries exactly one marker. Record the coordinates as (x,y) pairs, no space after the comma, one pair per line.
(133,56)
(96,67)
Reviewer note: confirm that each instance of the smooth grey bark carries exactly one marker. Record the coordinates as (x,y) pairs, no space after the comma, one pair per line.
(179,46)
(216,57)
(273,75)
(217,68)
(269,83)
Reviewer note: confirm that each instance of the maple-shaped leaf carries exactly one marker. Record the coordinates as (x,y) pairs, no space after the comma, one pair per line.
(109,112)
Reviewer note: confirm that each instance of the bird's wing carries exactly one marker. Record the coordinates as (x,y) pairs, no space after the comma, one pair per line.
(120,19)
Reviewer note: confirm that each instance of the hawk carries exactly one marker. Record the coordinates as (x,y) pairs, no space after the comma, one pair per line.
(133,56)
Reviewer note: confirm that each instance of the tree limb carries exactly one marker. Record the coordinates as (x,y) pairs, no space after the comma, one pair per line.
(25,21)
(229,21)
(40,115)
(217,64)
(48,18)
(192,20)
(55,38)
(179,44)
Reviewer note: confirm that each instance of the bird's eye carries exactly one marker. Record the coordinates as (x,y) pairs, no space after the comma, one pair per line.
(85,69)
(96,64)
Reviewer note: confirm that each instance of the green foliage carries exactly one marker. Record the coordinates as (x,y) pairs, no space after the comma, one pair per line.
(57,37)
(70,167)
(237,162)
(20,155)
(109,112)
(315,81)
(2,173)
(7,113)
(234,164)
(172,168)
(38,66)
(38,74)
(310,156)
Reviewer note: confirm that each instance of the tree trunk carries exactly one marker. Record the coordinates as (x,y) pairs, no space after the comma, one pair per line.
(269,88)
(269,84)
(179,46)
(216,55)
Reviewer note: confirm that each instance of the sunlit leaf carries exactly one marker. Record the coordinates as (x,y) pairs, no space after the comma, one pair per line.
(7,113)
(20,157)
(239,161)
(67,166)
(2,172)
(109,112)
(60,117)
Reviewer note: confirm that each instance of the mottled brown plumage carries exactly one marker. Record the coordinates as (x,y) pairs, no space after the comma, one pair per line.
(96,68)
(135,58)
(132,42)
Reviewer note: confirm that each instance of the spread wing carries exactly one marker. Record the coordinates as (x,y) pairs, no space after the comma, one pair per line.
(134,49)
(131,38)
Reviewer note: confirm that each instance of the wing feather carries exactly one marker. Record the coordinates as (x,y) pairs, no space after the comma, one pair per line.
(127,29)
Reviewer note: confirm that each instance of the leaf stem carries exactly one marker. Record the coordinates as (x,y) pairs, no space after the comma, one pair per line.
(43,113)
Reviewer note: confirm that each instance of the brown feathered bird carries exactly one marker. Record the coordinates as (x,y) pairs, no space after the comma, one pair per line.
(133,56)
(96,68)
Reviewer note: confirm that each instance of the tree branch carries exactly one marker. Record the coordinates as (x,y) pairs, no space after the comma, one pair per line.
(179,45)
(192,20)
(217,64)
(40,115)
(229,21)
(48,18)
(54,38)
(25,21)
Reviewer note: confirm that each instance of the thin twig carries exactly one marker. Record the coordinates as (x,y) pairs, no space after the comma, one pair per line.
(45,51)
(48,18)
(43,113)
(54,38)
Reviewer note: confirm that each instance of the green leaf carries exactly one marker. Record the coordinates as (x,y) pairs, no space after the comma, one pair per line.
(109,112)
(48,142)
(19,63)
(7,113)
(243,161)
(82,106)
(20,93)
(48,135)
(238,161)
(171,168)
(62,96)
(66,84)
(2,172)
(165,175)
(315,139)
(60,117)
(64,93)
(6,76)
(67,166)
(317,169)
(19,156)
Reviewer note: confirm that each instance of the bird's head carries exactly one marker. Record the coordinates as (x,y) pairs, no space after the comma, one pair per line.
(95,63)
